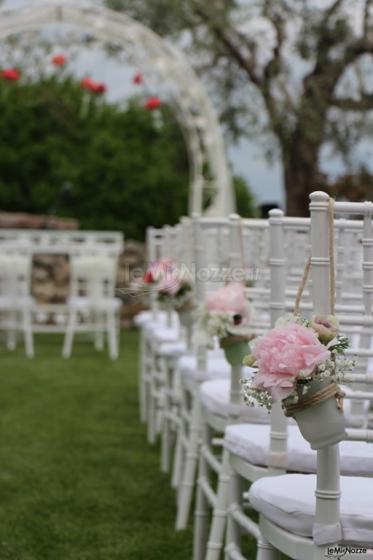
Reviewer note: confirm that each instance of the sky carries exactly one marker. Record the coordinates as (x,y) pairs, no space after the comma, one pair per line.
(246,157)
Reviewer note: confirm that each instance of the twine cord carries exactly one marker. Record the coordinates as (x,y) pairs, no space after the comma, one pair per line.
(242,251)
(307,267)
(331,390)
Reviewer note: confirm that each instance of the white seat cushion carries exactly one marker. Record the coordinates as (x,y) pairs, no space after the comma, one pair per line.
(172,349)
(215,396)
(159,334)
(289,502)
(82,303)
(251,443)
(217,367)
(144,317)
(8,303)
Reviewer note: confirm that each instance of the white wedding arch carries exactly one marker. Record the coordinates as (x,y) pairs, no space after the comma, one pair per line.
(209,173)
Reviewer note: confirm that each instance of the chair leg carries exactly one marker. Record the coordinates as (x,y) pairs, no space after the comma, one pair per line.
(202,505)
(217,531)
(183,436)
(189,474)
(11,335)
(69,335)
(266,551)
(233,532)
(27,330)
(99,335)
(166,424)
(152,411)
(177,463)
(112,335)
(142,389)
(146,376)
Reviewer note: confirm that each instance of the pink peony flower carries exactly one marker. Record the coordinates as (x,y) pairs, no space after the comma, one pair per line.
(229,299)
(284,355)
(170,284)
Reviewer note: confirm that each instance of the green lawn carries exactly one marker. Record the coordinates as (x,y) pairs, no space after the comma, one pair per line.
(77,478)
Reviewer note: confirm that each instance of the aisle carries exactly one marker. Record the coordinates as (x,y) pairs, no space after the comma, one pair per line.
(77,480)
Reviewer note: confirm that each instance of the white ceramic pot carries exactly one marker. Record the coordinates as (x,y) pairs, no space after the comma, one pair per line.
(322,424)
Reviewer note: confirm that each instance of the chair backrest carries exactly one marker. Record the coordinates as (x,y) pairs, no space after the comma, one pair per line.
(211,249)
(15,275)
(290,248)
(93,276)
(62,241)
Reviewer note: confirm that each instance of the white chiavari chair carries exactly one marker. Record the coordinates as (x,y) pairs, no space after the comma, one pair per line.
(92,306)
(212,399)
(257,451)
(165,345)
(16,303)
(294,519)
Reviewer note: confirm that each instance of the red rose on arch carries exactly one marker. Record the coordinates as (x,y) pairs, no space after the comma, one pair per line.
(137,79)
(98,87)
(87,83)
(10,74)
(59,60)
(92,86)
(152,103)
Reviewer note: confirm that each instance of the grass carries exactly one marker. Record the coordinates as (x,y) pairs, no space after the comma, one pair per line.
(77,478)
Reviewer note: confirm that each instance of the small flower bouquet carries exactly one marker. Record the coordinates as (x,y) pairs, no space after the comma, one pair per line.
(300,362)
(176,290)
(156,271)
(226,315)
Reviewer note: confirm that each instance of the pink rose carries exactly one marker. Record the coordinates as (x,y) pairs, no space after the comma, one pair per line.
(285,354)
(229,299)
(326,327)
(160,268)
(170,284)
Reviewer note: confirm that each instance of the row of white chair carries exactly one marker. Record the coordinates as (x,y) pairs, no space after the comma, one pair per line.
(91,306)
(178,396)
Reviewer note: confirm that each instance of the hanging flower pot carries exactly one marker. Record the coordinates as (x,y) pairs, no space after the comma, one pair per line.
(185,314)
(299,364)
(235,349)
(319,413)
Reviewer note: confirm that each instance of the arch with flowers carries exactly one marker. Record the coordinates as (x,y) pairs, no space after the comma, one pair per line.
(210,182)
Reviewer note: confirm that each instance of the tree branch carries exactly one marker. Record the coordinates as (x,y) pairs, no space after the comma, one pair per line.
(246,64)
(366,24)
(365,103)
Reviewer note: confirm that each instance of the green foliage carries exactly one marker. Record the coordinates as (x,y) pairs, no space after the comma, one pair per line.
(245,201)
(128,167)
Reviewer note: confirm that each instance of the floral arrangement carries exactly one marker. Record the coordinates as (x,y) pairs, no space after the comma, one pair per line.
(156,271)
(293,355)
(226,313)
(175,289)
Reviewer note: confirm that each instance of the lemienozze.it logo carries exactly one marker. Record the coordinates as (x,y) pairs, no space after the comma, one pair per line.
(337,552)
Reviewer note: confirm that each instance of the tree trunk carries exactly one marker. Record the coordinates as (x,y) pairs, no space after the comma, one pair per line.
(301,174)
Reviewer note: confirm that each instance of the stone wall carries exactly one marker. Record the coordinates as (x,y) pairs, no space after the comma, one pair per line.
(50,279)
